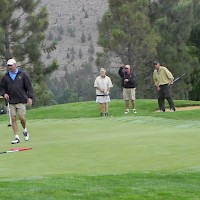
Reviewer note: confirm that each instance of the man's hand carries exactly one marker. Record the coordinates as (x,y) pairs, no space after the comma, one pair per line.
(171,82)
(6,96)
(29,102)
(158,88)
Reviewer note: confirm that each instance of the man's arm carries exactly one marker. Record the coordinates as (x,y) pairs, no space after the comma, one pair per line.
(120,72)
(2,87)
(169,75)
(28,86)
(132,78)
(156,81)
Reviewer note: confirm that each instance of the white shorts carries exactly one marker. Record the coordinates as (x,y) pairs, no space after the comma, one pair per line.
(102,99)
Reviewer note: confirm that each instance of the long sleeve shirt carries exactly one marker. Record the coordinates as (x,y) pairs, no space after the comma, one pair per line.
(131,79)
(19,89)
(162,76)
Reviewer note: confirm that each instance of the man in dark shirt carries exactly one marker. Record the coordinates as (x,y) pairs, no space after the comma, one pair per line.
(16,88)
(129,86)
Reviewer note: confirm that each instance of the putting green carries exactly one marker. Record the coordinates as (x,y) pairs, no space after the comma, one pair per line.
(101,146)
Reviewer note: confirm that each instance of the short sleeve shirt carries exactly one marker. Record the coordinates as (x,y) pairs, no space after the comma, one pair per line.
(103,83)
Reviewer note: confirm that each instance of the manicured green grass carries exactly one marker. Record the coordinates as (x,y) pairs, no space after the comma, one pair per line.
(116,109)
(78,155)
(148,186)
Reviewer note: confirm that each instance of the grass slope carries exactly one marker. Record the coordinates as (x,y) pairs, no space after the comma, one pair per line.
(77,155)
(116,109)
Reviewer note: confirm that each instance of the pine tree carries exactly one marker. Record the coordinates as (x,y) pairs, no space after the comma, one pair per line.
(174,19)
(194,41)
(22,34)
(126,34)
(125,31)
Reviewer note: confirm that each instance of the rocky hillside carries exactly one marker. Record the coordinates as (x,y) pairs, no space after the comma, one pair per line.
(73,24)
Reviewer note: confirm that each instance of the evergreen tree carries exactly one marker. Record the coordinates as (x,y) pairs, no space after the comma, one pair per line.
(83,39)
(174,19)
(22,34)
(75,86)
(125,33)
(91,49)
(80,53)
(194,41)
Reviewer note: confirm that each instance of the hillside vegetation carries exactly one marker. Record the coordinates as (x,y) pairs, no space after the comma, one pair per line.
(73,23)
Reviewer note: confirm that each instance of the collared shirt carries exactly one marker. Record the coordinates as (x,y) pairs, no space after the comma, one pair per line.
(13,75)
(103,83)
(18,90)
(162,76)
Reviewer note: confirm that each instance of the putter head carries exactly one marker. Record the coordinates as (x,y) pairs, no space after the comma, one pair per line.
(9,125)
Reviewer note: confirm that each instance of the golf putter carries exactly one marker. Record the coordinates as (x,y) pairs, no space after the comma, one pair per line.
(8,110)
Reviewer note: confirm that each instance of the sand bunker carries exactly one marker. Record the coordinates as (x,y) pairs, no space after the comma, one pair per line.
(184,108)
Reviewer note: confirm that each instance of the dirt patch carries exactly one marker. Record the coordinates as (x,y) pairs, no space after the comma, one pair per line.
(184,108)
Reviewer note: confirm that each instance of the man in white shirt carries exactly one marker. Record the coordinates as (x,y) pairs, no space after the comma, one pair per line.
(103,84)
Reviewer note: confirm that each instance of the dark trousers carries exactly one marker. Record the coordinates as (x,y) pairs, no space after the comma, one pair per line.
(164,93)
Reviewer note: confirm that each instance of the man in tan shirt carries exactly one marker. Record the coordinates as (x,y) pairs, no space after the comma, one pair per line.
(163,78)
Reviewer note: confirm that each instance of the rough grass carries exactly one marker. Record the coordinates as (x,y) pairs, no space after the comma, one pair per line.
(78,155)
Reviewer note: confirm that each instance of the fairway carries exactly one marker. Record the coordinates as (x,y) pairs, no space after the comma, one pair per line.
(99,146)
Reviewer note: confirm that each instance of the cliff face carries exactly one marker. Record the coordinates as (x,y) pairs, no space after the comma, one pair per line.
(73,23)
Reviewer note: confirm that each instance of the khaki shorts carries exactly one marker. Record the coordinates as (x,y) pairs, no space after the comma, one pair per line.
(19,108)
(129,93)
